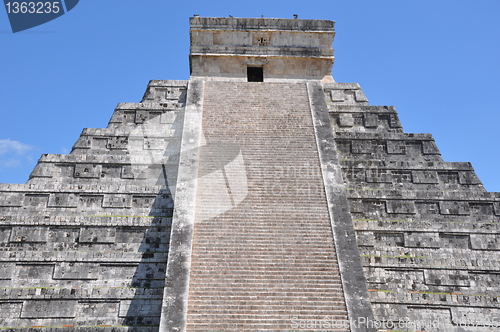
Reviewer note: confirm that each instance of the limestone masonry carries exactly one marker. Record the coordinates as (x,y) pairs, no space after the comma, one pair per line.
(259,195)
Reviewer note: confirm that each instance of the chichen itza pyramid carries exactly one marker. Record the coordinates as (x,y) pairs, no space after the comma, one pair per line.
(259,195)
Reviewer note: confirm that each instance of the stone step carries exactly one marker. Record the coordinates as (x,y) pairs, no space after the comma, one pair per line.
(268,256)
(258,286)
(301,299)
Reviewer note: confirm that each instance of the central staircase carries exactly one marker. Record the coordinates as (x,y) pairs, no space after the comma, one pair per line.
(263,256)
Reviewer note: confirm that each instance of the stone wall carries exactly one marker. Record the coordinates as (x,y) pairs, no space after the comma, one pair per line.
(427,229)
(84,242)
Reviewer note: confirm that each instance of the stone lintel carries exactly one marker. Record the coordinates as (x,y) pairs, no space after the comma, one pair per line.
(239,23)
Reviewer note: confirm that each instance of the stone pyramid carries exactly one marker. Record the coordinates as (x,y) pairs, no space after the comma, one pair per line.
(259,195)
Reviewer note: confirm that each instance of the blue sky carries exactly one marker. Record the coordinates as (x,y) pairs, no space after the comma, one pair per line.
(436,61)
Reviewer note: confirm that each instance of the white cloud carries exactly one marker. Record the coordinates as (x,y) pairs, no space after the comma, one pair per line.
(8,145)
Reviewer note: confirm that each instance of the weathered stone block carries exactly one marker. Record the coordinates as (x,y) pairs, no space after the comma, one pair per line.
(171,93)
(134,172)
(394,119)
(371,120)
(337,95)
(49,309)
(120,272)
(36,201)
(140,307)
(373,206)
(43,170)
(379,120)
(99,143)
(5,234)
(413,149)
(388,239)
(378,175)
(142,116)
(83,142)
(35,271)
(346,120)
(468,178)
(91,201)
(356,205)
(10,309)
(447,278)
(64,235)
(97,235)
(455,241)
(481,209)
(448,207)
(485,241)
(485,280)
(65,172)
(11,199)
(365,239)
(448,177)
(496,207)
(400,206)
(360,96)
(421,240)
(117,201)
(396,147)
(427,207)
(111,172)
(29,234)
(154,144)
(72,270)
(428,177)
(429,147)
(362,146)
(87,171)
(375,275)
(355,174)
(129,117)
(98,309)
(401,176)
(150,271)
(143,201)
(117,143)
(6,271)
(63,200)
(401,278)
(350,97)
(130,235)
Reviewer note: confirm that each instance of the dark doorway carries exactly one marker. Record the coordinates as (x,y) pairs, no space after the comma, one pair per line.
(255,74)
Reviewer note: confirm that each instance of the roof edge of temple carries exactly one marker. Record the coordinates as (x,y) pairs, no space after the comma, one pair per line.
(239,23)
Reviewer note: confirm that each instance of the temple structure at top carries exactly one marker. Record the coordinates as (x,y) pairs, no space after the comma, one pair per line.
(261,49)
